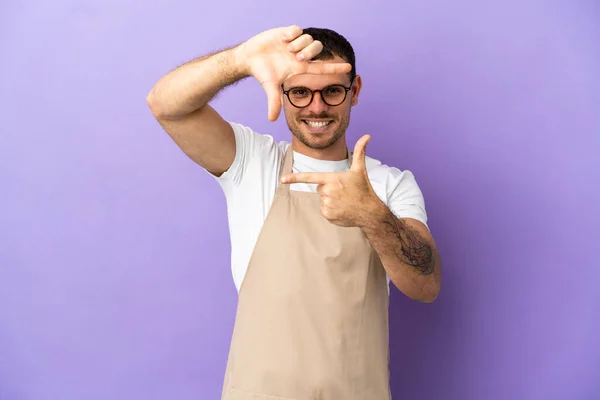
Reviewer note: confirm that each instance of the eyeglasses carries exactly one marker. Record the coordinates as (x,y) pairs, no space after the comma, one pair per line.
(332,95)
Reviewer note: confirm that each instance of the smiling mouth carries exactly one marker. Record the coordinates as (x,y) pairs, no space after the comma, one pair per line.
(317,124)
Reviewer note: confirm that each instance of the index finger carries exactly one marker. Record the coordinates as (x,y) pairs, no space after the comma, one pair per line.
(306,177)
(328,68)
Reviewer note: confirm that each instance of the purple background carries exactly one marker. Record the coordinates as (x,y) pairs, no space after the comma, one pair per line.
(115,280)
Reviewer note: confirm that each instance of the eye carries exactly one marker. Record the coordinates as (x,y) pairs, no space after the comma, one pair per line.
(299,92)
(334,90)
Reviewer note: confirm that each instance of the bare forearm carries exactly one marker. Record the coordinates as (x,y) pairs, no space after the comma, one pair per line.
(411,261)
(192,85)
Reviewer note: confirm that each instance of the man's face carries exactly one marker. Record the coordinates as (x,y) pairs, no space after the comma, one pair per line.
(319,125)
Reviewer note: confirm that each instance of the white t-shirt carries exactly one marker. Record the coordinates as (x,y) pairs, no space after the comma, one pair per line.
(250,183)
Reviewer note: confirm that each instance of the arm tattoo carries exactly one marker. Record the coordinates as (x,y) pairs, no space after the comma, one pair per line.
(414,250)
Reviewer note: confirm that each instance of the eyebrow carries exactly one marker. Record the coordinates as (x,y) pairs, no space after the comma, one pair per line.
(304,86)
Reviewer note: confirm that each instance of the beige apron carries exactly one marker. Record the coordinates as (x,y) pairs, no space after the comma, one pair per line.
(312,316)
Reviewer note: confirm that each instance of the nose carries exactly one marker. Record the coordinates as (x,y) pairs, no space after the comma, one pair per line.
(317,105)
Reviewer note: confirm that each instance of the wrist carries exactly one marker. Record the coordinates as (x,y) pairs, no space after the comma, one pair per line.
(239,58)
(375,212)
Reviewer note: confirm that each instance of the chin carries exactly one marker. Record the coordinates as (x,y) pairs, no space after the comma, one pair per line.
(318,138)
(317,144)
(317,141)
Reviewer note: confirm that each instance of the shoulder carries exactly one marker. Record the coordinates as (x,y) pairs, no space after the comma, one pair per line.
(256,140)
(386,175)
(255,154)
(252,139)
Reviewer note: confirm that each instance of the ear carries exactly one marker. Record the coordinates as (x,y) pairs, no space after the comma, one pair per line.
(356,89)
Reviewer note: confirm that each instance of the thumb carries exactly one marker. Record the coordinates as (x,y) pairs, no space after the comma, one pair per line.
(358,157)
(273,99)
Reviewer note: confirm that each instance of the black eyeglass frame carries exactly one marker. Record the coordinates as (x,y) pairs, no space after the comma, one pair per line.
(312,94)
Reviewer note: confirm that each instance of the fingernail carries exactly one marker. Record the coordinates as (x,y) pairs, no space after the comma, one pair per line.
(300,56)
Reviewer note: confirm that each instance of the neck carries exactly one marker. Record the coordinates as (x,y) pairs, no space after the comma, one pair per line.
(336,152)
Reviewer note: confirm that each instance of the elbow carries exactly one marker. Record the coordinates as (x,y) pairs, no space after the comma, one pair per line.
(154,104)
(158,103)
(429,295)
(422,286)
(426,292)
(431,284)
(431,290)
(162,108)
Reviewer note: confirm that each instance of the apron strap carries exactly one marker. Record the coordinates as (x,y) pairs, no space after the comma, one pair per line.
(287,169)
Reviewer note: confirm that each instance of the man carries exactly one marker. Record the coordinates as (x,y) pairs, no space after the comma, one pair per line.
(317,232)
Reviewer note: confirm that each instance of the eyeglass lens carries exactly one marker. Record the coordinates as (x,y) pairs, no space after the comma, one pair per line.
(332,95)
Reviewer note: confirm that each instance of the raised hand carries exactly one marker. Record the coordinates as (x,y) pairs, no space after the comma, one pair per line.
(277,54)
(347,198)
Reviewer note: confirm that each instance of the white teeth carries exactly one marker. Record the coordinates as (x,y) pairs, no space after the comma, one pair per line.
(314,124)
